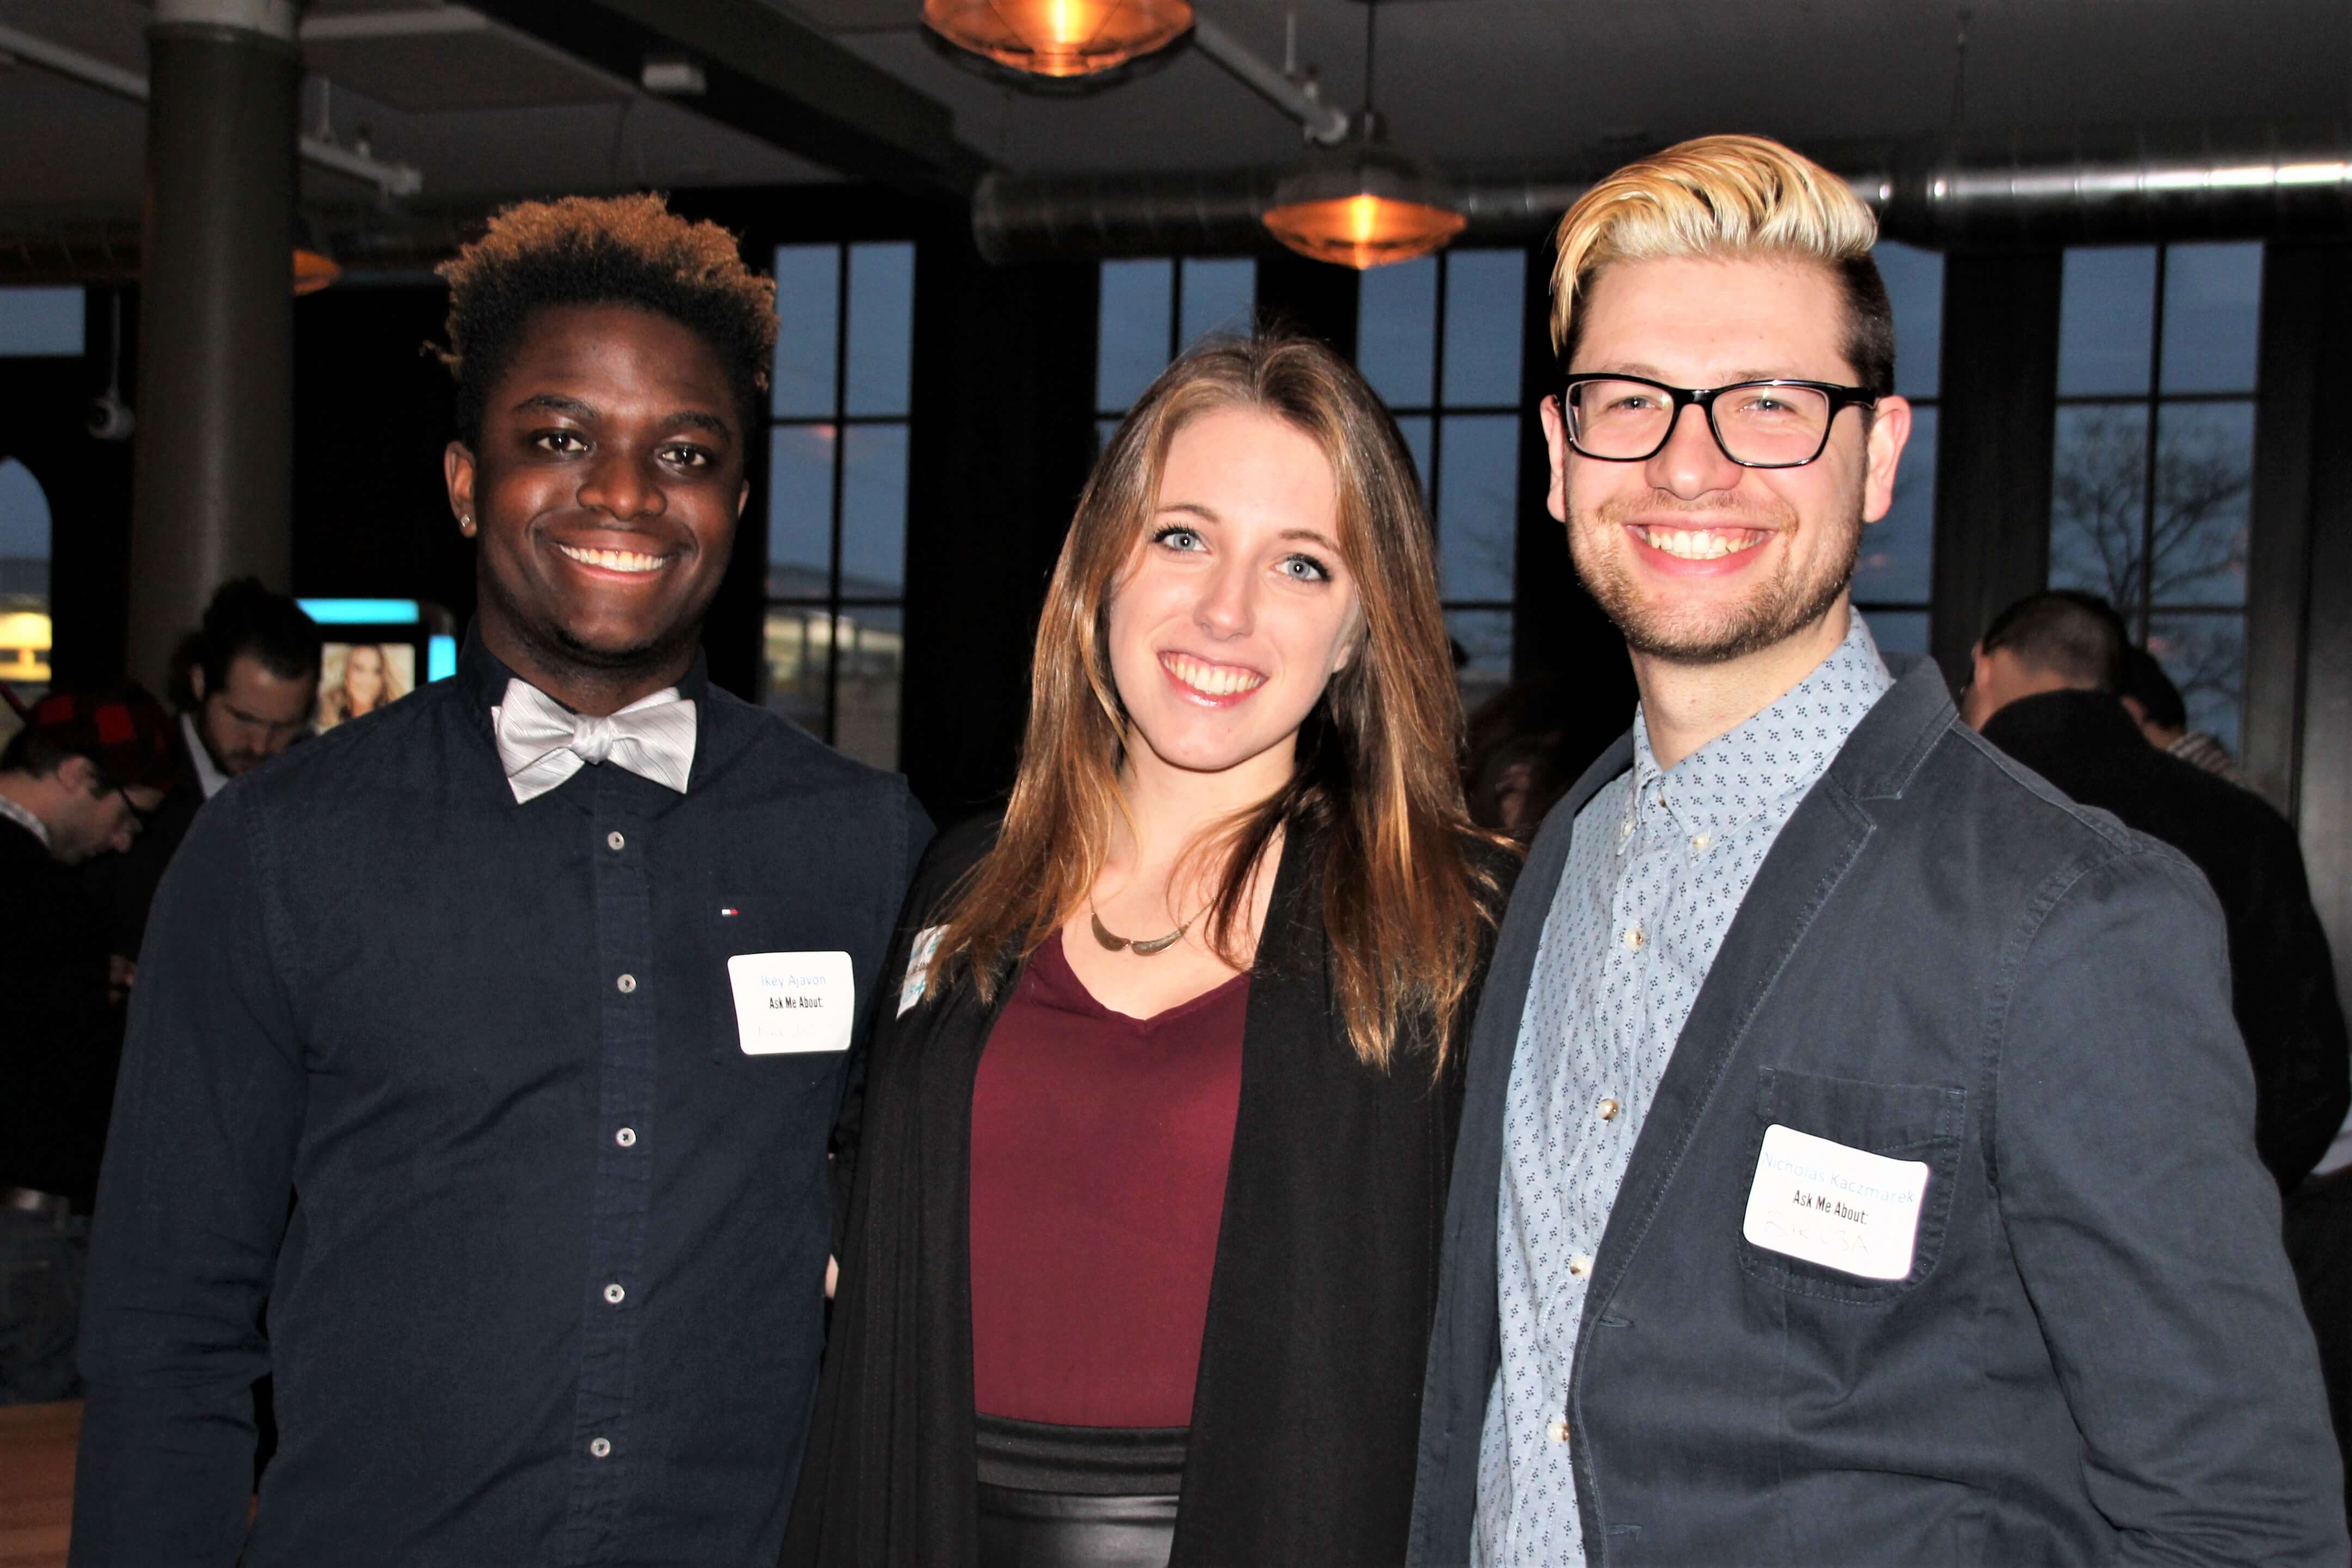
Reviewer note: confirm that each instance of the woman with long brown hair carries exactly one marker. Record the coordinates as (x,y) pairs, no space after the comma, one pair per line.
(1149,1161)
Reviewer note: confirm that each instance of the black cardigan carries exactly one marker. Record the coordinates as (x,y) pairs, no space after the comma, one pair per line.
(1308,1398)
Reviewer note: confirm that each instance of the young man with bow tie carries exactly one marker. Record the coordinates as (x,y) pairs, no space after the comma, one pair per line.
(529,995)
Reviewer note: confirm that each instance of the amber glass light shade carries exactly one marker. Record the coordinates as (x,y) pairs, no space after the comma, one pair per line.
(1363,231)
(1366,207)
(1059,37)
(314,271)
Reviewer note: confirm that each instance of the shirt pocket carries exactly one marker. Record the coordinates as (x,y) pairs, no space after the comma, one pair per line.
(749,922)
(1913,1121)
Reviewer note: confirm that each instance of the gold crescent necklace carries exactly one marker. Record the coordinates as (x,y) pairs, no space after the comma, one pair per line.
(1143,947)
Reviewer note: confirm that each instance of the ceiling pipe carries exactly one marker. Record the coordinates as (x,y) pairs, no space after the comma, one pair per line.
(368,25)
(1321,121)
(2305,192)
(391,179)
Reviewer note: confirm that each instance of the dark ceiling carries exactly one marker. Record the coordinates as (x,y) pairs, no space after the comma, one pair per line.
(489,110)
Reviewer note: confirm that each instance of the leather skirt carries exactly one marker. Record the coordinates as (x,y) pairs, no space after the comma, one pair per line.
(1077,1496)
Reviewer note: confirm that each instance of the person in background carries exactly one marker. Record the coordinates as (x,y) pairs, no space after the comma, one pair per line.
(1154,1140)
(537,988)
(1529,741)
(2319,1245)
(252,672)
(74,784)
(1856,1163)
(2156,706)
(366,683)
(2046,673)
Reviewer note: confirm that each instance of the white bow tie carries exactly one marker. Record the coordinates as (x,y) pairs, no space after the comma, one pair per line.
(542,743)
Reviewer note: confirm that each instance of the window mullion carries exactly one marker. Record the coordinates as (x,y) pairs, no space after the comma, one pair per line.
(2147,607)
(840,445)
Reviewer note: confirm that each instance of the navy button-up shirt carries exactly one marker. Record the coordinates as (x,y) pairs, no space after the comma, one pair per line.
(542,1248)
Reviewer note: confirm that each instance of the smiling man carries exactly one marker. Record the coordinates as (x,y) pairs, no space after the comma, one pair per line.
(544,1061)
(252,687)
(1825,1194)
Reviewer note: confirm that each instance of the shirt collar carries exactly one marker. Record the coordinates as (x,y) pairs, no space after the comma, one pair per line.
(482,676)
(25,820)
(208,774)
(1754,769)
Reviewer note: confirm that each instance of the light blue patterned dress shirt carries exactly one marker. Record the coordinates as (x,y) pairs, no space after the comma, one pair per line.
(1657,866)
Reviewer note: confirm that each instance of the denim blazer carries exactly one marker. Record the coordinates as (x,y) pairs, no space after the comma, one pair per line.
(2098,1354)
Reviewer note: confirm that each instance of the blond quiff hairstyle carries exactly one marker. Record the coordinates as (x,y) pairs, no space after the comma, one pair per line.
(1720,197)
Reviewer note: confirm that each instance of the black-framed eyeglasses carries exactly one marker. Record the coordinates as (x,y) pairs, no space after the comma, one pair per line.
(142,815)
(1770,424)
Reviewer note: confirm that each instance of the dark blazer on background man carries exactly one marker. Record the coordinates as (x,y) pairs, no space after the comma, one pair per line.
(2097,1357)
(1308,1395)
(135,874)
(59,1040)
(2283,982)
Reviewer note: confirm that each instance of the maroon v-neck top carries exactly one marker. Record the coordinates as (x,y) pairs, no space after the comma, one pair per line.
(1099,1144)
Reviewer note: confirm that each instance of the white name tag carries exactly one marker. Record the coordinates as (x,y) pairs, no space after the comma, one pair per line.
(1843,1208)
(919,967)
(793,1000)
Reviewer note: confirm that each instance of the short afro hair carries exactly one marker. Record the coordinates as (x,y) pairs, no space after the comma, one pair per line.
(603,250)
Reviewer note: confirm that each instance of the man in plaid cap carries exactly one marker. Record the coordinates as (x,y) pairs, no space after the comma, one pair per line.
(73,784)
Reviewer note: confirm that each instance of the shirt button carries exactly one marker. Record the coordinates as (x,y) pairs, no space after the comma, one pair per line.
(616,1295)
(1625,829)
(1607,1110)
(627,982)
(626,1137)
(614,841)
(1634,938)
(1559,1430)
(1702,841)
(1581,1265)
(600,1447)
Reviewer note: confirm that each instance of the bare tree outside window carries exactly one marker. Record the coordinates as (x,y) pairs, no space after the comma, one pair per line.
(2194,545)
(2150,498)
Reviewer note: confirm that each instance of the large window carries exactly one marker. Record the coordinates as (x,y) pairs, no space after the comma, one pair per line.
(24,581)
(44,322)
(837,492)
(1439,340)
(2150,504)
(1894,573)
(1152,310)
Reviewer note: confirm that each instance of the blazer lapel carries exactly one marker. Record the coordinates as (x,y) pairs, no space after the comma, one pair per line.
(1465,1343)
(1468,1305)
(1803,867)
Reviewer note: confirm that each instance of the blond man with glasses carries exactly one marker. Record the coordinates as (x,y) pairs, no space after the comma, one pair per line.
(1856,1163)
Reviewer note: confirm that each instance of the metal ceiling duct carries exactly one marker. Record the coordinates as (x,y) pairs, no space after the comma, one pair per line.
(2276,192)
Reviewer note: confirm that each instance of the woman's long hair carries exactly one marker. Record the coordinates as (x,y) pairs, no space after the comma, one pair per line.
(1376,784)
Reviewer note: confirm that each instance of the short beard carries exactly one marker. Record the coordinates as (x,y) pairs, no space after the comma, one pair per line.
(1778,609)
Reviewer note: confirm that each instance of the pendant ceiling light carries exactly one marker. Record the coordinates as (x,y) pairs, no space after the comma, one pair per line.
(1362,203)
(313,270)
(1060,38)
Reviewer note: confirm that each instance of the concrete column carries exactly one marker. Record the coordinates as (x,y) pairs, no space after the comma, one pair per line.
(213,471)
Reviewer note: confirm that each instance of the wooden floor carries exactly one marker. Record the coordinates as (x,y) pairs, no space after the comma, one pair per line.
(36,1466)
